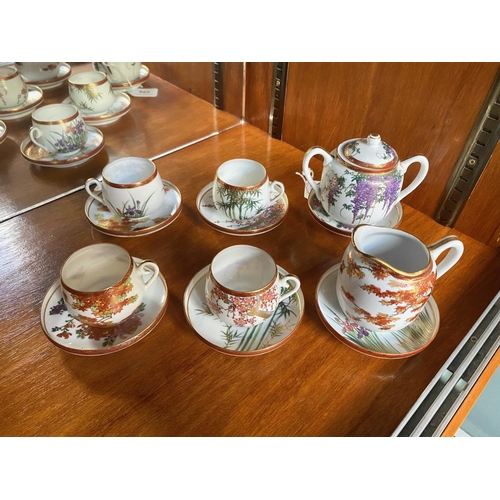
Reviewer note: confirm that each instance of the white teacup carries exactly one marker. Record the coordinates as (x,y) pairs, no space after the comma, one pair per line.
(38,71)
(120,72)
(241,189)
(13,91)
(58,129)
(102,285)
(243,287)
(91,92)
(130,186)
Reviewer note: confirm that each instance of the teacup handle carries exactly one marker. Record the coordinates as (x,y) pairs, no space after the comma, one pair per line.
(35,132)
(98,187)
(283,282)
(308,173)
(281,191)
(424,168)
(148,266)
(456,250)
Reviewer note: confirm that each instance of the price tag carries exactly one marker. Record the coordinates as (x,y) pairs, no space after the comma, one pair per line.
(140,92)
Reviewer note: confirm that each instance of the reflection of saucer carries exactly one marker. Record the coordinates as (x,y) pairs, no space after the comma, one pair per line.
(392,219)
(260,339)
(63,74)
(403,343)
(120,107)
(35,98)
(143,76)
(106,221)
(72,336)
(3,132)
(267,220)
(38,156)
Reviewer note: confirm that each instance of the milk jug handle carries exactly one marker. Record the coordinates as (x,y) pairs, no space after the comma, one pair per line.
(308,173)
(456,248)
(424,168)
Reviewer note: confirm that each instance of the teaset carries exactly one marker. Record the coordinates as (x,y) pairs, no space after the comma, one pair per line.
(377,300)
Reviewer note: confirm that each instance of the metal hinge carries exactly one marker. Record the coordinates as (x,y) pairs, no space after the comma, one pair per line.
(474,158)
(278,100)
(218,85)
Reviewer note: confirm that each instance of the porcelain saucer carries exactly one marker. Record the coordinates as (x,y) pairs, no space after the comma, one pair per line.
(63,74)
(392,219)
(143,76)
(35,98)
(3,132)
(239,341)
(120,107)
(403,343)
(38,156)
(107,222)
(76,338)
(267,220)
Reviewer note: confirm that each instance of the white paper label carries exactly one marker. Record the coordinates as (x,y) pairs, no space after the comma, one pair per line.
(140,92)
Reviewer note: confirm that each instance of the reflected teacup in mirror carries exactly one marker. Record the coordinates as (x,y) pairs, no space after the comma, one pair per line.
(91,92)
(131,187)
(13,91)
(58,129)
(119,72)
(38,71)
(242,190)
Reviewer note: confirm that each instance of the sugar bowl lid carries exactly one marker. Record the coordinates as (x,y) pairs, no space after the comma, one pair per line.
(368,155)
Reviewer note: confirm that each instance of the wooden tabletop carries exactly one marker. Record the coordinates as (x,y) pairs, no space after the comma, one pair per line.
(171,383)
(153,127)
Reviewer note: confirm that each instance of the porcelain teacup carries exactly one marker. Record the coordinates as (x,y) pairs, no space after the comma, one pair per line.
(241,189)
(58,129)
(102,285)
(243,287)
(131,187)
(38,71)
(91,92)
(386,276)
(120,72)
(13,91)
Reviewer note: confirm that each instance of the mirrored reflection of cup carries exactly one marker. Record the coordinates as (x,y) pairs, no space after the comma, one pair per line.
(102,285)
(91,92)
(131,187)
(38,71)
(243,287)
(58,129)
(13,91)
(120,72)
(242,190)
(386,276)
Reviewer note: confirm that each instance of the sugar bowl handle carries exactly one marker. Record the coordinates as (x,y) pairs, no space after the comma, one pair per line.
(424,168)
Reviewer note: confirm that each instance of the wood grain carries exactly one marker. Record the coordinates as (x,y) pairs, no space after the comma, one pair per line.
(259,82)
(172,384)
(153,127)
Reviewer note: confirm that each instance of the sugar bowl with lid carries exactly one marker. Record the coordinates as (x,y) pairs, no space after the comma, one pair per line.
(361,179)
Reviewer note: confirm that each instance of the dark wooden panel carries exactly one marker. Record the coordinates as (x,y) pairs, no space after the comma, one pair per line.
(258,94)
(480,217)
(193,77)
(233,88)
(418,108)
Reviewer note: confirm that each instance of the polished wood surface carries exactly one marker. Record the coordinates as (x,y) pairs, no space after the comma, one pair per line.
(152,127)
(171,383)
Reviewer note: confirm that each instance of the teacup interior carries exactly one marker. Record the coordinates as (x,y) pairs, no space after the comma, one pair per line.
(130,170)
(88,77)
(7,72)
(243,268)
(95,267)
(241,173)
(55,113)
(400,250)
